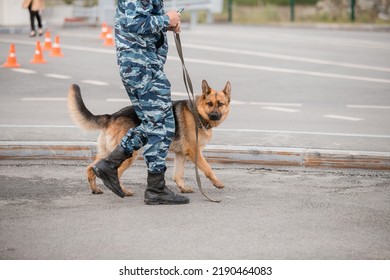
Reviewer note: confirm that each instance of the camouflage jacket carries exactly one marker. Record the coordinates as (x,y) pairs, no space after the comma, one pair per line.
(140,32)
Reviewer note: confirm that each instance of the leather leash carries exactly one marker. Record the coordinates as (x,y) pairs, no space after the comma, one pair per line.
(191,97)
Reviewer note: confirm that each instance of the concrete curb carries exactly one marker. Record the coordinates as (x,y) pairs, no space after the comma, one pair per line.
(214,153)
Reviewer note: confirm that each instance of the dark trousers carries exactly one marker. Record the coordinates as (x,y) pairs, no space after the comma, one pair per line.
(33,15)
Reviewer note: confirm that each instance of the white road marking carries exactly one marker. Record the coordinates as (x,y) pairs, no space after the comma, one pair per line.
(23,70)
(342,118)
(127,100)
(175,93)
(23,42)
(368,107)
(69,47)
(286,57)
(180,94)
(291,37)
(276,104)
(58,76)
(93,82)
(81,35)
(236,102)
(36,126)
(239,65)
(281,109)
(44,99)
(88,49)
(282,70)
(266,35)
(301,132)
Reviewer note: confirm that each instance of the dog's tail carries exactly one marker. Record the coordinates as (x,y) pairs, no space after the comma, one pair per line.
(81,115)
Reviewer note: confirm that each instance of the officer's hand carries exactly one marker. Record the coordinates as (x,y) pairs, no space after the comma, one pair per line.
(174,18)
(175,29)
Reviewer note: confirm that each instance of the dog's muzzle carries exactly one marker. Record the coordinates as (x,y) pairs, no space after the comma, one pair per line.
(214,116)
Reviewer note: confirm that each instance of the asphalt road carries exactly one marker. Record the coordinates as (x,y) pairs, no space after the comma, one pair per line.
(48,212)
(292,87)
(309,88)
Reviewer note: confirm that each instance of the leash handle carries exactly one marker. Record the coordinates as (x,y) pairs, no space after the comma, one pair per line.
(191,97)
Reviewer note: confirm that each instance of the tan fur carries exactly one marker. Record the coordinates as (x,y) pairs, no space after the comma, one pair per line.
(212,105)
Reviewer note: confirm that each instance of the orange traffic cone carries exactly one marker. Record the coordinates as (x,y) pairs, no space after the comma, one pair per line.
(109,40)
(56,50)
(47,45)
(11,61)
(38,55)
(104,31)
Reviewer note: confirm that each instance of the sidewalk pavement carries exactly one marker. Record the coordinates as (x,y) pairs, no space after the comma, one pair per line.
(48,212)
(281,156)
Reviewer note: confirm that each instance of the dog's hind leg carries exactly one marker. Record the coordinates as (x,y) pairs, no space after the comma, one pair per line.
(126,164)
(178,174)
(92,179)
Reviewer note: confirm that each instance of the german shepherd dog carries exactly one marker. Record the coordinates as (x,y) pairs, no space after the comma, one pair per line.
(213,108)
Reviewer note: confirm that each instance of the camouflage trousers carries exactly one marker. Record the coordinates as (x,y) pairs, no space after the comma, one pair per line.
(150,93)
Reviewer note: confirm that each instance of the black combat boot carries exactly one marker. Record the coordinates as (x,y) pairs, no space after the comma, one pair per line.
(107,169)
(158,193)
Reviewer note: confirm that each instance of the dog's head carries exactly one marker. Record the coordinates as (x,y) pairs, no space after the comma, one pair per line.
(214,105)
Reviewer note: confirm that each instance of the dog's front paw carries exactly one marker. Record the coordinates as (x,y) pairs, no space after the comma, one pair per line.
(97,191)
(186,190)
(127,192)
(218,184)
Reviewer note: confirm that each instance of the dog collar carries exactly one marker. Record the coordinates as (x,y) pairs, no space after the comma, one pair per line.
(203,123)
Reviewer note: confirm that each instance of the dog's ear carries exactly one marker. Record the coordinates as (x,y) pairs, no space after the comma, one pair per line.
(206,89)
(227,90)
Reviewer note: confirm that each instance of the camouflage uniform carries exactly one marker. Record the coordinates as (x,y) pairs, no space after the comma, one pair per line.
(141,43)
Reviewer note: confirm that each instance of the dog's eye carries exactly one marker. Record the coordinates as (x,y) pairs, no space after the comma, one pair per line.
(220,104)
(210,104)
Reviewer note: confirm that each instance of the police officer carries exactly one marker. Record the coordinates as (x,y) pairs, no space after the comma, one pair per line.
(141,48)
